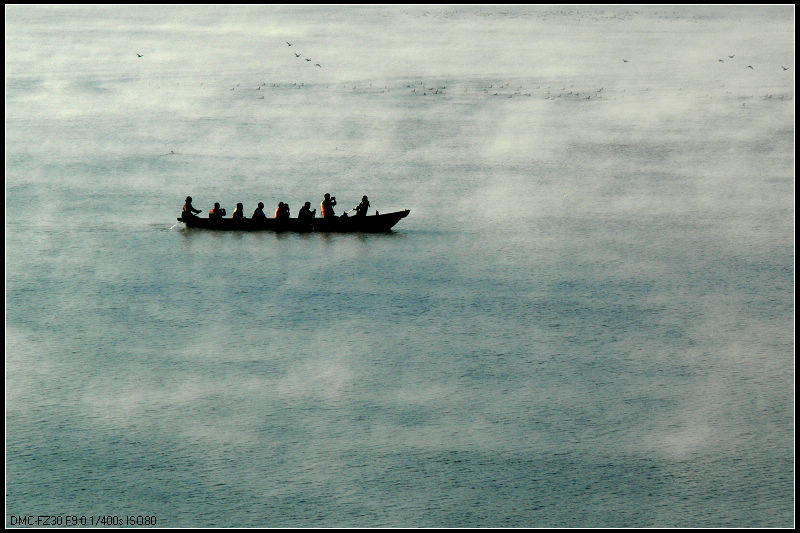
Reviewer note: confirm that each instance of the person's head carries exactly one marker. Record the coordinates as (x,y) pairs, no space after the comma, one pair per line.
(216,205)
(364,199)
(307,204)
(261,205)
(327,196)
(240,205)
(189,199)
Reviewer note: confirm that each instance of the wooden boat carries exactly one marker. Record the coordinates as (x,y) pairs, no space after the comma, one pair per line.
(246,224)
(367,224)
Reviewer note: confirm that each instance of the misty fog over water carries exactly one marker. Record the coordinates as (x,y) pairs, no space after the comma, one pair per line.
(587,319)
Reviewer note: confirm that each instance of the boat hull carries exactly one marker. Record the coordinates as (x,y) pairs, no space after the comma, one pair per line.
(367,224)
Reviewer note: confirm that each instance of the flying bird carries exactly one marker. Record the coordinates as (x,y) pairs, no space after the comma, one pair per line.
(138,54)
(307,59)
(320,66)
(287,42)
(784,68)
(734,55)
(750,67)
(297,55)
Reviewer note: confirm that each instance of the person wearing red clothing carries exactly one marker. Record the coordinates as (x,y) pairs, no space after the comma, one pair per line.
(327,206)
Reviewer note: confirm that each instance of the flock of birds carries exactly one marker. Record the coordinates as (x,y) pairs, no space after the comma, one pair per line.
(721,60)
(495,89)
(298,56)
(305,58)
(499,89)
(421,88)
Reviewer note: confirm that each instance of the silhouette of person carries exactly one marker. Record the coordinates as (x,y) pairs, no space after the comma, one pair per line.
(361,209)
(238,213)
(188,209)
(327,206)
(306,213)
(216,212)
(259,212)
(283,211)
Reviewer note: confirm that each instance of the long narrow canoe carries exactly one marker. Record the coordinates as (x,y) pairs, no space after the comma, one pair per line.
(367,224)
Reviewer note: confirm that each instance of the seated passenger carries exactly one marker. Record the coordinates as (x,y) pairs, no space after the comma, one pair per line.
(283,211)
(216,212)
(306,213)
(259,213)
(238,213)
(361,209)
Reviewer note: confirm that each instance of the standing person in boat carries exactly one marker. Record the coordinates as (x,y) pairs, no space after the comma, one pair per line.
(327,206)
(216,212)
(238,213)
(188,210)
(361,209)
(306,214)
(259,212)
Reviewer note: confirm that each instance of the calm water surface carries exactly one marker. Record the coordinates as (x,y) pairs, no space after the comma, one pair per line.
(586,320)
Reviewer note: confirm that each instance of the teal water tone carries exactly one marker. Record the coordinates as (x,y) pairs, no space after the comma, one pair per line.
(587,319)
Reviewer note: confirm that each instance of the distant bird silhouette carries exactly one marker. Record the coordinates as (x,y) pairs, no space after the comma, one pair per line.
(320,66)
(784,68)
(750,67)
(296,54)
(624,60)
(307,59)
(731,57)
(287,42)
(138,54)
(721,60)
